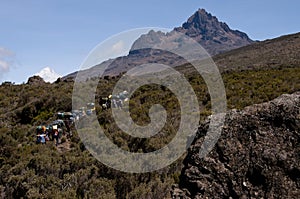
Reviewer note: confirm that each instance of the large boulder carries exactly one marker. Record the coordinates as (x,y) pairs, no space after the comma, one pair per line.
(257,155)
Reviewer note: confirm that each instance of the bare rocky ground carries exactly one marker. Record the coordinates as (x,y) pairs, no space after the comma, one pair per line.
(257,155)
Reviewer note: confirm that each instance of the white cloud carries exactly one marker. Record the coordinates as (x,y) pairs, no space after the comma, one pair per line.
(5,52)
(118,47)
(6,61)
(4,66)
(106,51)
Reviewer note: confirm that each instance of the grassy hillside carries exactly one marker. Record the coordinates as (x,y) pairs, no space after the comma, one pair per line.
(273,53)
(33,170)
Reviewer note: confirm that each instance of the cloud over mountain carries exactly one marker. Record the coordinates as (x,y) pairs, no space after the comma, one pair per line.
(6,60)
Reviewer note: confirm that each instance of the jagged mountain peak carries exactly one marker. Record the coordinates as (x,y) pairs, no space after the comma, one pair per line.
(204,22)
(215,36)
(199,18)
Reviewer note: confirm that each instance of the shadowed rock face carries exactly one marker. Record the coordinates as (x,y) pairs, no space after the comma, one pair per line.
(214,36)
(257,155)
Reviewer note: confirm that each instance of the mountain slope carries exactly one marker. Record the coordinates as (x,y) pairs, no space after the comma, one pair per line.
(280,52)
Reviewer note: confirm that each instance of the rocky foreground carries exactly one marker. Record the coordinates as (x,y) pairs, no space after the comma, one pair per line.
(257,155)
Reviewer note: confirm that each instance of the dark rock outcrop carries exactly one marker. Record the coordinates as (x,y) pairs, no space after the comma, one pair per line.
(257,155)
(35,80)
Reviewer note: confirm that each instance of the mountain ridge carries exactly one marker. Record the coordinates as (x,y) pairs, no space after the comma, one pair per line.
(210,32)
(214,36)
(280,52)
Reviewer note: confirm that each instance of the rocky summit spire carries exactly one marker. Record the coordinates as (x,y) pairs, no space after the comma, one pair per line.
(213,35)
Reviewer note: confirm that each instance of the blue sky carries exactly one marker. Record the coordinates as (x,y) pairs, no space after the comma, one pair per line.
(60,33)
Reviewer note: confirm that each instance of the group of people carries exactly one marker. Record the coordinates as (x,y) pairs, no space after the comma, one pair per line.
(114,101)
(55,130)
(46,134)
(62,125)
